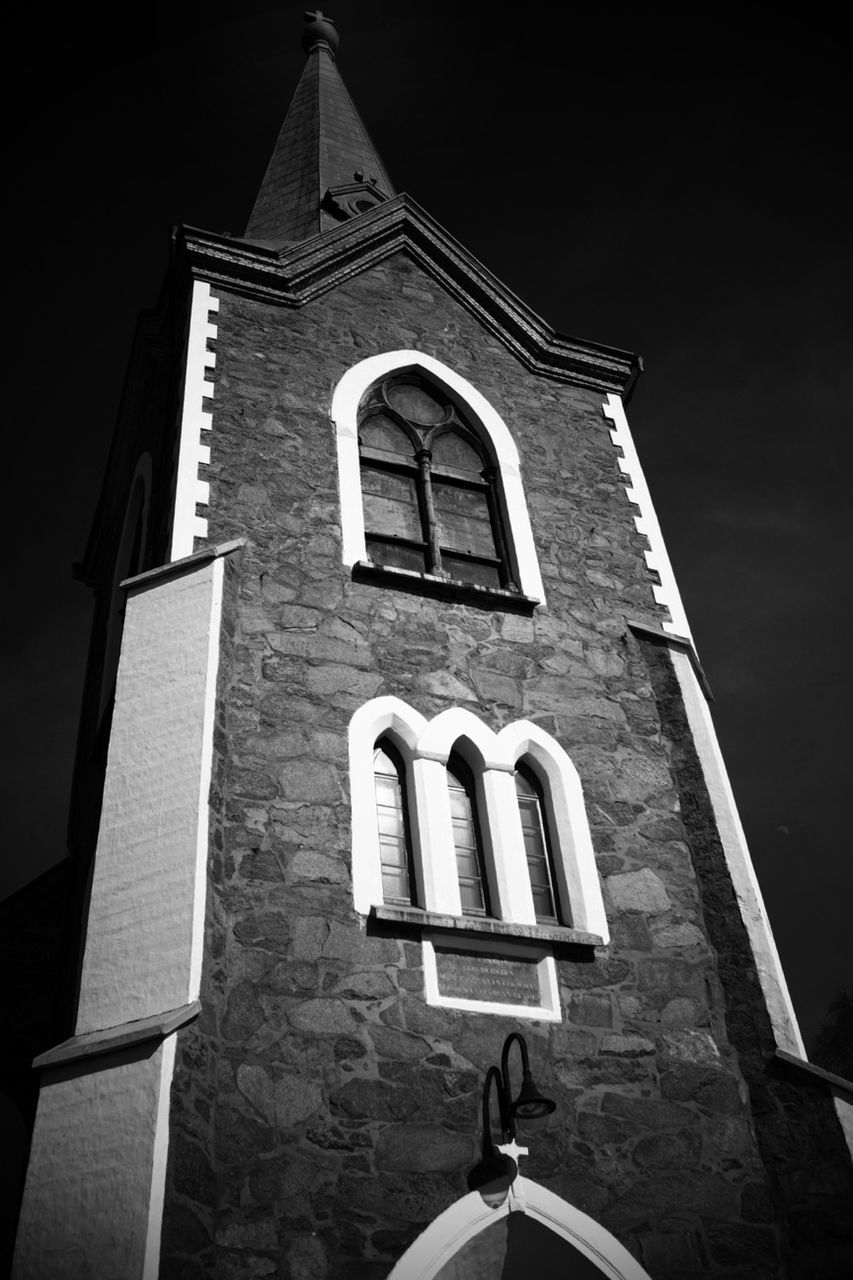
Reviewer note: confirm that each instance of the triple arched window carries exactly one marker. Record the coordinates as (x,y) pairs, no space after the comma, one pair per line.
(452,818)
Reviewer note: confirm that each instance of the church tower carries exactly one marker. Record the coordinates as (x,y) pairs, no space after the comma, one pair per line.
(419,933)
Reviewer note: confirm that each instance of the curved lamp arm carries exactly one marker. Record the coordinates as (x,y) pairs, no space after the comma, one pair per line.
(494,1075)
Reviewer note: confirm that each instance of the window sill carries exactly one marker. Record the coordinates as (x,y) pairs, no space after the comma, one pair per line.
(415,921)
(427,584)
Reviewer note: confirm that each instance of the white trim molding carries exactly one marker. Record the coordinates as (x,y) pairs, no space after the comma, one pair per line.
(733,839)
(190,491)
(657,558)
(425,747)
(451,1230)
(347,397)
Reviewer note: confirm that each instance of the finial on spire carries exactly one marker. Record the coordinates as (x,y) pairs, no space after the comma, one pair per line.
(319,29)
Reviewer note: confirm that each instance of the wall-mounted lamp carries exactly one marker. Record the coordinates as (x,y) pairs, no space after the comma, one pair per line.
(496,1170)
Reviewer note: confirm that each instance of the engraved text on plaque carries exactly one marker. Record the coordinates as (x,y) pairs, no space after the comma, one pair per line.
(497,979)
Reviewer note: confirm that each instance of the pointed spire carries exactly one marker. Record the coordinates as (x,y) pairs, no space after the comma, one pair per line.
(324,168)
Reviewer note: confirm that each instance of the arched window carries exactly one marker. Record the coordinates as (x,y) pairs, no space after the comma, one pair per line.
(430,492)
(537,845)
(467,840)
(395,846)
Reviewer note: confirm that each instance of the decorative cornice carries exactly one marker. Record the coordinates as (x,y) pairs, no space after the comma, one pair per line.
(684,643)
(151,577)
(92,1044)
(292,275)
(834,1083)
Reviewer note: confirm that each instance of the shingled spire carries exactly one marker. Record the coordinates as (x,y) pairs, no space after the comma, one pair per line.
(324,168)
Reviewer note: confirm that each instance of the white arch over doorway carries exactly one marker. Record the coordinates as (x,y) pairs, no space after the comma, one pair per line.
(435,1246)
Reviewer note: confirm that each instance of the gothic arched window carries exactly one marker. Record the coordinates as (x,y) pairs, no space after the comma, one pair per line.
(389,780)
(430,491)
(467,841)
(537,845)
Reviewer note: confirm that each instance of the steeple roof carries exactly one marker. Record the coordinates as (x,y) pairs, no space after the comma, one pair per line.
(324,168)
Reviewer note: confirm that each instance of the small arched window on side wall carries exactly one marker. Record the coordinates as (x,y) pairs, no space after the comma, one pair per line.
(429,488)
(538,849)
(392,821)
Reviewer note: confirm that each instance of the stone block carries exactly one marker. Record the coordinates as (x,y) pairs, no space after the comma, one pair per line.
(637,891)
(311,781)
(374,984)
(400,1046)
(682,1012)
(675,1149)
(402,1201)
(673,1253)
(626,1046)
(631,933)
(243,1013)
(599,1129)
(422,1148)
(670,978)
(305,1258)
(733,1242)
(295,1099)
(250,1234)
(697,1048)
(309,934)
(317,868)
(365,1099)
(591,1010)
(679,935)
(192,1170)
(269,931)
(645,1112)
(603,972)
(323,1017)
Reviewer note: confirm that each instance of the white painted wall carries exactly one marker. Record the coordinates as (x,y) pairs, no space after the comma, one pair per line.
(144,938)
(94,1194)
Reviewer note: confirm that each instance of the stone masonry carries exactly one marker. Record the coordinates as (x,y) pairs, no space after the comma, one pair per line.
(322,1113)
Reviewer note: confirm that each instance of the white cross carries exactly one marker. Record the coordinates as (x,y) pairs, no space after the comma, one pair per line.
(513,1149)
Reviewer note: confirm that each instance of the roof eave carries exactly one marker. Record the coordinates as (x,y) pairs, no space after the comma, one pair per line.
(294,274)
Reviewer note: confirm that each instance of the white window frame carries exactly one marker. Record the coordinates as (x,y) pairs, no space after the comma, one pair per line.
(425,747)
(489,425)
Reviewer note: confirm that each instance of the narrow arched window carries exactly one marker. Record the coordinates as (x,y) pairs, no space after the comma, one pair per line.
(537,845)
(430,492)
(470,867)
(389,779)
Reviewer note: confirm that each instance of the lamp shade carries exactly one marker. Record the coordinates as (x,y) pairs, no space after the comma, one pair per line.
(493,1176)
(530,1103)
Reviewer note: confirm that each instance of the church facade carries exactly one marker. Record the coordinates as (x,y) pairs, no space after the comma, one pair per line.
(397,777)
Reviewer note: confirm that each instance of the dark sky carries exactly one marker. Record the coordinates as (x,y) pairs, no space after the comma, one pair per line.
(641,179)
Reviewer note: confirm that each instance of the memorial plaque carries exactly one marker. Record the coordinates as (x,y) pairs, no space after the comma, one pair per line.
(487,976)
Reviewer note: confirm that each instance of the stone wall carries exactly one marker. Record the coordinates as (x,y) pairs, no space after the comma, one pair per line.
(323,1113)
